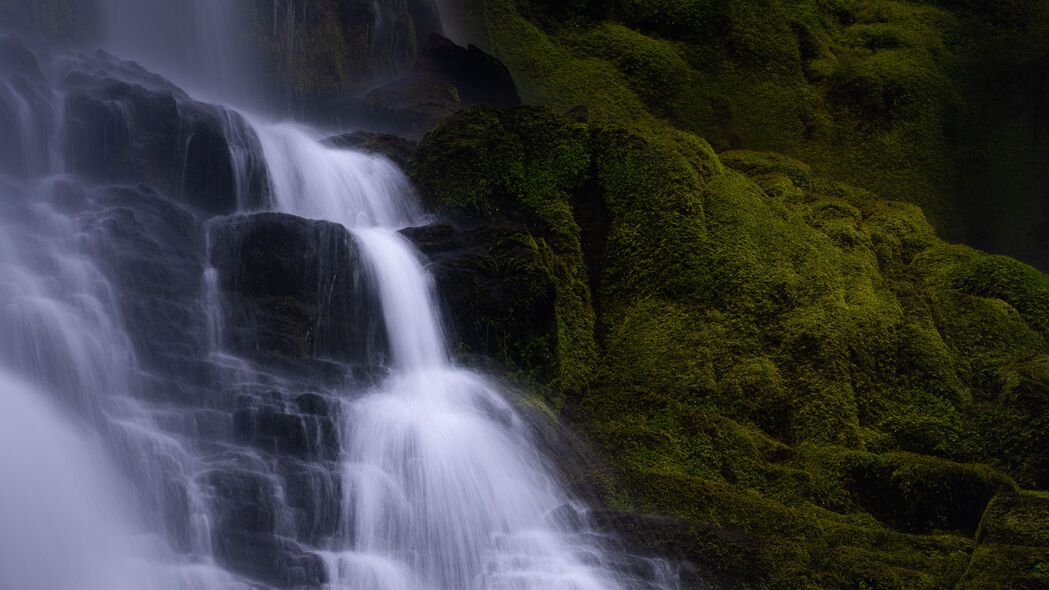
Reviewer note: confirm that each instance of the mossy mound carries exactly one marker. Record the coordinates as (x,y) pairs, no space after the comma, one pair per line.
(1014,544)
(934,103)
(802,366)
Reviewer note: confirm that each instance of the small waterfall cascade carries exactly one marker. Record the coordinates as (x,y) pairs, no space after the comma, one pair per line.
(443,485)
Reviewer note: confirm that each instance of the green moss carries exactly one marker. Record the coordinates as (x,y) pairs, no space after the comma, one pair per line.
(1014,544)
(781,354)
(522,165)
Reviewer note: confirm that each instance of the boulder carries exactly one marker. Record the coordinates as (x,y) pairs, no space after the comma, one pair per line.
(413,104)
(294,289)
(479,77)
(124,125)
(446,78)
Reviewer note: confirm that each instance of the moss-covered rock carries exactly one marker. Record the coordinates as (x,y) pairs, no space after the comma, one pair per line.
(1014,544)
(785,359)
(522,166)
(931,102)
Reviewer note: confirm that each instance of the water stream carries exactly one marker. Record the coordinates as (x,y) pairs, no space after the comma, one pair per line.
(146,450)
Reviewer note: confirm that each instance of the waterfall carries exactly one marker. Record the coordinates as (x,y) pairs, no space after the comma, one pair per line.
(60,498)
(147,440)
(443,486)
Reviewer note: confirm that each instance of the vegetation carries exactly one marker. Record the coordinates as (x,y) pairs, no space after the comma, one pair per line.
(803,372)
(930,102)
(788,359)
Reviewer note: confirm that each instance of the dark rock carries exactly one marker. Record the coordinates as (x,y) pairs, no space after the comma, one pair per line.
(497,292)
(153,250)
(294,289)
(446,78)
(414,103)
(277,561)
(305,427)
(479,77)
(313,491)
(395,148)
(248,500)
(124,125)
(245,539)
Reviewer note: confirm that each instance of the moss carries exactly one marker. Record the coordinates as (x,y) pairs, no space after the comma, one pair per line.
(652,68)
(1014,544)
(1022,287)
(782,354)
(522,165)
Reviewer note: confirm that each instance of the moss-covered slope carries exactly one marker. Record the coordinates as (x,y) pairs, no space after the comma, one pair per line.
(824,391)
(937,103)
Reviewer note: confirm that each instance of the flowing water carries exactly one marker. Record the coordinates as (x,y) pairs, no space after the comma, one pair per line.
(443,486)
(144,441)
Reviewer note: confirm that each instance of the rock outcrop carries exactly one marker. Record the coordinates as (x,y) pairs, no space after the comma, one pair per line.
(294,289)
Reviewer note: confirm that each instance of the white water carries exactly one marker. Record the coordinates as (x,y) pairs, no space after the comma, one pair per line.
(104,486)
(66,490)
(444,488)
(59,498)
(87,477)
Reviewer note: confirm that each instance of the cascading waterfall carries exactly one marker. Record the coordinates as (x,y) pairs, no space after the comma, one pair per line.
(140,452)
(443,487)
(67,479)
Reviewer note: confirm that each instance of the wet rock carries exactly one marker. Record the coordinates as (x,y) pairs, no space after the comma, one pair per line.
(294,289)
(499,296)
(248,500)
(479,77)
(277,561)
(446,78)
(304,426)
(153,249)
(413,104)
(313,491)
(124,125)
(252,525)
(393,147)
